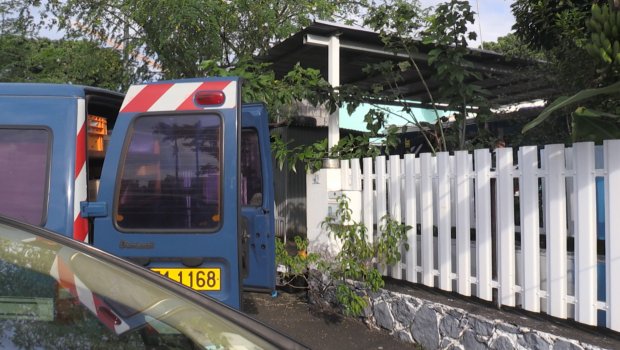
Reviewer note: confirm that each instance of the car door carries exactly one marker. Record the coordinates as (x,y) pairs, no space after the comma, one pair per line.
(169,188)
(257,199)
(61,293)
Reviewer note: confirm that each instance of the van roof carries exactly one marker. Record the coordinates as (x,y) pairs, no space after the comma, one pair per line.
(44,89)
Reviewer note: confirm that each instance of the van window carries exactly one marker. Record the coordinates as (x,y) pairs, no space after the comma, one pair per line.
(170,176)
(251,171)
(24,159)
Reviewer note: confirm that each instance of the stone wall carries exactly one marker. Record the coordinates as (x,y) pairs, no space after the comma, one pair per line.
(437,326)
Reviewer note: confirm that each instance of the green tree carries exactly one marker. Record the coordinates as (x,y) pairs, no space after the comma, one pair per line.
(594,110)
(448,32)
(443,29)
(546,24)
(60,61)
(358,259)
(513,47)
(557,28)
(16,17)
(178,35)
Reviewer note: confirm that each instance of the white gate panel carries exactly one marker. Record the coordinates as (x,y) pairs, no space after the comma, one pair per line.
(447,193)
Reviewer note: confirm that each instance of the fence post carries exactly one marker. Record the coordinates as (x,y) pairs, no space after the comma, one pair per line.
(395,213)
(463,226)
(530,228)
(585,233)
(484,242)
(345,174)
(612,232)
(426,218)
(356,175)
(555,229)
(444,223)
(367,195)
(411,218)
(380,182)
(505,227)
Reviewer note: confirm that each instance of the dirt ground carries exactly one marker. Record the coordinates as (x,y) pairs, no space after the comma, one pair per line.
(292,315)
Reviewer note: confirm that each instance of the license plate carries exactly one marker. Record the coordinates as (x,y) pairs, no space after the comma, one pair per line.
(197,279)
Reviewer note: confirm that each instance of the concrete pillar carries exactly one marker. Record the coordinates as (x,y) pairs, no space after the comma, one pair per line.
(333,77)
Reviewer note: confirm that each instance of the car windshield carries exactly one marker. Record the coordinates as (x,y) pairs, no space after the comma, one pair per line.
(55,295)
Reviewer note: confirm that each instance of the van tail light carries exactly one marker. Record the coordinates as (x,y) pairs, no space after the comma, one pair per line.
(209,98)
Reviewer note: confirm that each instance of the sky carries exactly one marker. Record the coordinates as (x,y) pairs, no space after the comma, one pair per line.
(493,17)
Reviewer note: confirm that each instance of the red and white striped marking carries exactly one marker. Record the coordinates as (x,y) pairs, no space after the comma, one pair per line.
(80,224)
(67,280)
(175,96)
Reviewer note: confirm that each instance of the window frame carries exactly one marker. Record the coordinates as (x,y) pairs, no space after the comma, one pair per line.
(260,165)
(121,168)
(46,183)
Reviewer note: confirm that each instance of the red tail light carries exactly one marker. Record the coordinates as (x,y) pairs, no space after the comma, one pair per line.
(209,98)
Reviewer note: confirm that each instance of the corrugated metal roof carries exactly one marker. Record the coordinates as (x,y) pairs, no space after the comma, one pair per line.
(506,79)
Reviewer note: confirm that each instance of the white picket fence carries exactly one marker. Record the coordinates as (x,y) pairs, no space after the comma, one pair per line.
(552,190)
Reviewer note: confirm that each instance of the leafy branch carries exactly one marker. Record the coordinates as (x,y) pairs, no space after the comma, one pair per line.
(358,259)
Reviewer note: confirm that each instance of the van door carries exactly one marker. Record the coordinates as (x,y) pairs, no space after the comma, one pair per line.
(169,189)
(257,199)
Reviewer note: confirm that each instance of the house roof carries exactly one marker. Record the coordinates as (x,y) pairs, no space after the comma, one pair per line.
(504,78)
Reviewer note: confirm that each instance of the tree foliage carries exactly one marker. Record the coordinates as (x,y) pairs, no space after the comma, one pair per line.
(280,95)
(17,18)
(358,259)
(557,28)
(175,36)
(594,110)
(443,29)
(448,31)
(545,24)
(60,61)
(512,47)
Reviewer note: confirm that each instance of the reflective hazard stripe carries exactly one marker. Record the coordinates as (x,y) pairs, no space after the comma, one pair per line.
(80,224)
(67,280)
(174,97)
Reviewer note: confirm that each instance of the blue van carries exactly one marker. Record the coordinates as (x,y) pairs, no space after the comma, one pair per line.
(174,176)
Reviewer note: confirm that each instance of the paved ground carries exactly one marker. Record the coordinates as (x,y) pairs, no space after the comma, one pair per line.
(291,315)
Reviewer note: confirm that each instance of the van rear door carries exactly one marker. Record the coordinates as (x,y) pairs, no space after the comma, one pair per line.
(169,189)
(257,199)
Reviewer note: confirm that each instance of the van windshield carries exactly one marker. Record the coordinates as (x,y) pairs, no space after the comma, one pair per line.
(24,157)
(171,174)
